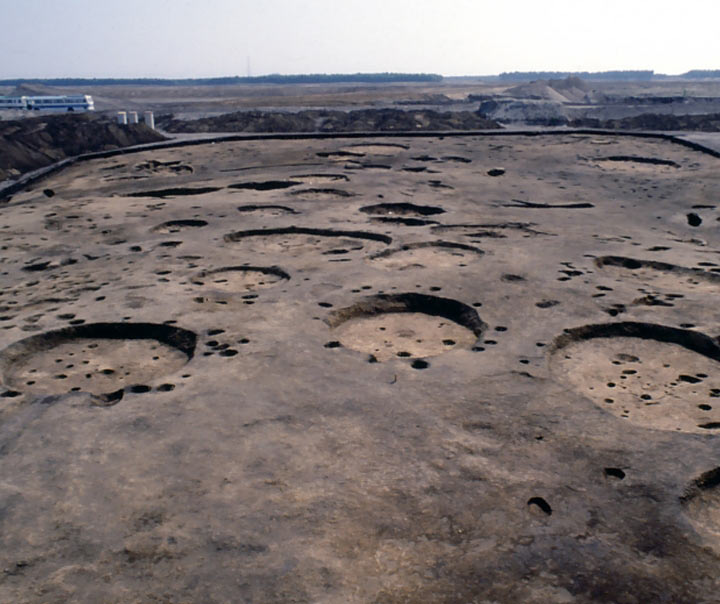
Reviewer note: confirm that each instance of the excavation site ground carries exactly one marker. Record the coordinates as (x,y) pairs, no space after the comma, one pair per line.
(408,369)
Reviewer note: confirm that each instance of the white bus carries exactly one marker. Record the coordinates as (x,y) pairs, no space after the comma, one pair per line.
(13,102)
(80,102)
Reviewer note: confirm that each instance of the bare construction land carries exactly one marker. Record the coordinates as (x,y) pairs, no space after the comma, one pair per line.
(459,369)
(542,102)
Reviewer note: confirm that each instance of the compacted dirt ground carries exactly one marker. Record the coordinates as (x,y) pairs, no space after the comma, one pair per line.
(464,369)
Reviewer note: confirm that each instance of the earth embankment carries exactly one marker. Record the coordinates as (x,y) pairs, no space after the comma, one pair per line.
(709,122)
(364,120)
(29,144)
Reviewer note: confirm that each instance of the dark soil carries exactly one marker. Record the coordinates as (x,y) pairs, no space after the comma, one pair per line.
(34,143)
(709,122)
(365,120)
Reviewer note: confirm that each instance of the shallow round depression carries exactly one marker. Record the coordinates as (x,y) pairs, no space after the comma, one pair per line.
(320,179)
(702,505)
(401,209)
(650,375)
(266,209)
(406,326)
(376,148)
(295,242)
(99,358)
(660,275)
(177,226)
(322,194)
(434,254)
(630,163)
(241,278)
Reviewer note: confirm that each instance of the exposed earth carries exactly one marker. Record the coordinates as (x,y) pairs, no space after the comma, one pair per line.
(29,144)
(361,120)
(452,103)
(458,369)
(653,121)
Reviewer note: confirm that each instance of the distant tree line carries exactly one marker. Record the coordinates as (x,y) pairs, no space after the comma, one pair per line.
(513,76)
(702,73)
(317,78)
(524,76)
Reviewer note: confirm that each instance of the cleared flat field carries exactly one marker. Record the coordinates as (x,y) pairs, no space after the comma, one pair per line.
(438,370)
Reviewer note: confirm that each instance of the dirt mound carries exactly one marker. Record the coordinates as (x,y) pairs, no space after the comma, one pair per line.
(709,122)
(33,143)
(569,90)
(365,120)
(528,111)
(574,90)
(538,90)
(427,99)
(570,83)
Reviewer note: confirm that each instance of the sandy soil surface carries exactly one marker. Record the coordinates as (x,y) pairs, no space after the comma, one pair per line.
(312,371)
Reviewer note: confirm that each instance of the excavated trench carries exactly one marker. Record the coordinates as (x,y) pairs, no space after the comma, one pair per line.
(530,205)
(174,192)
(267,185)
(401,209)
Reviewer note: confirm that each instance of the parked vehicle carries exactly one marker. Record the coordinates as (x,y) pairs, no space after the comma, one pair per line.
(80,102)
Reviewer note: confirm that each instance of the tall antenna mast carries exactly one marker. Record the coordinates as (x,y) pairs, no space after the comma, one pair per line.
(249,72)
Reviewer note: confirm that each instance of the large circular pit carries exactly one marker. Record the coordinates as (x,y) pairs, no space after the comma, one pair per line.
(241,278)
(295,242)
(99,358)
(650,375)
(702,505)
(407,326)
(433,254)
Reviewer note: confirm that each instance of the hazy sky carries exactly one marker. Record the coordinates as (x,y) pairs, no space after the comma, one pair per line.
(194,38)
